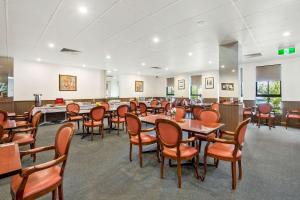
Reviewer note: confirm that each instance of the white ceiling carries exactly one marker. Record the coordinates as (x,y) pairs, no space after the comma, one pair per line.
(124,29)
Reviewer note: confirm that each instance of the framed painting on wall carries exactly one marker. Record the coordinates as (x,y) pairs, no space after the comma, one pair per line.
(209,83)
(139,86)
(67,83)
(227,86)
(181,84)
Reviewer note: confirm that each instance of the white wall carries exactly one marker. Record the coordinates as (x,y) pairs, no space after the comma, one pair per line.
(187,82)
(34,77)
(290,70)
(153,87)
(211,93)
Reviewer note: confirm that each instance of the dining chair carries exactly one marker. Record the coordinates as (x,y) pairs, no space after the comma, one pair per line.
(215,106)
(167,108)
(133,107)
(248,113)
(227,150)
(180,113)
(196,110)
(209,116)
(292,114)
(26,116)
(143,109)
(163,105)
(265,112)
(120,117)
(95,119)
(73,115)
(107,111)
(27,135)
(173,147)
(153,104)
(4,137)
(38,180)
(3,115)
(138,136)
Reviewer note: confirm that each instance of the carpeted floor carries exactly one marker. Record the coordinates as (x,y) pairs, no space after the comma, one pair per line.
(100,169)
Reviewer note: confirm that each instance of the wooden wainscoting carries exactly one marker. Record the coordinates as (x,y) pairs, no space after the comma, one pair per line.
(7,104)
(249,103)
(210,100)
(231,115)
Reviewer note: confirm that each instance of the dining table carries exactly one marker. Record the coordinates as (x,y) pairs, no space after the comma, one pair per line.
(10,162)
(10,125)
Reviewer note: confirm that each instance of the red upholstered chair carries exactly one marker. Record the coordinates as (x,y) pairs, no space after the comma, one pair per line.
(173,147)
(133,107)
(180,113)
(4,138)
(120,118)
(247,113)
(215,106)
(27,136)
(26,116)
(107,111)
(143,109)
(73,115)
(59,101)
(292,114)
(167,108)
(163,105)
(265,112)
(3,116)
(209,116)
(95,120)
(228,150)
(153,104)
(38,180)
(196,110)
(139,137)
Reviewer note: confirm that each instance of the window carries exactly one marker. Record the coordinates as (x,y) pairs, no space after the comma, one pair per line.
(268,88)
(170,87)
(196,89)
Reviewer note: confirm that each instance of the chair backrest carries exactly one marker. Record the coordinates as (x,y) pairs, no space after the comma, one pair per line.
(164,103)
(73,108)
(97,113)
(29,113)
(169,133)
(196,110)
(154,103)
(3,115)
(106,105)
(63,139)
(133,106)
(209,116)
(122,110)
(35,122)
(241,131)
(133,124)
(167,107)
(265,108)
(215,106)
(180,112)
(1,133)
(143,107)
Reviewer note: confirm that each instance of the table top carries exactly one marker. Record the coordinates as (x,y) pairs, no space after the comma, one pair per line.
(190,125)
(10,163)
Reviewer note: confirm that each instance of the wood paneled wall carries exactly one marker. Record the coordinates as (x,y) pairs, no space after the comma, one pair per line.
(210,100)
(231,115)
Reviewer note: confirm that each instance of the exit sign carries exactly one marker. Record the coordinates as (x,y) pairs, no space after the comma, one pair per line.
(286,51)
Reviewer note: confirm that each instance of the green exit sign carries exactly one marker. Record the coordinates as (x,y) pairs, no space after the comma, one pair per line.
(286,51)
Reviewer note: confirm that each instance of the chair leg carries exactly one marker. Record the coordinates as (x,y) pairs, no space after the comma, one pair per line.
(162,166)
(204,166)
(197,166)
(141,155)
(92,134)
(286,123)
(32,146)
(233,171)
(102,131)
(170,163)
(179,172)
(78,124)
(258,122)
(54,194)
(157,152)
(60,192)
(118,128)
(270,122)
(130,152)
(240,169)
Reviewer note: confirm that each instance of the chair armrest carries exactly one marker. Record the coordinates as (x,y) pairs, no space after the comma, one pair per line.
(37,150)
(29,170)
(191,139)
(148,129)
(21,130)
(224,141)
(228,133)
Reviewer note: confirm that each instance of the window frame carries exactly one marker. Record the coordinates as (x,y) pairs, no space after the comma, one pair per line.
(170,94)
(268,95)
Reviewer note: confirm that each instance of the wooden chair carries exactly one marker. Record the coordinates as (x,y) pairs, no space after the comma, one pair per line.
(180,113)
(292,114)
(248,113)
(95,120)
(3,116)
(153,104)
(265,112)
(38,180)
(26,116)
(27,136)
(228,150)
(215,106)
(133,107)
(163,105)
(4,137)
(138,136)
(73,115)
(120,118)
(196,110)
(167,108)
(107,111)
(143,109)
(173,147)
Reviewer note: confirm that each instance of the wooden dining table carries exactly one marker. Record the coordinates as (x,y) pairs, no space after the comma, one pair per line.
(10,163)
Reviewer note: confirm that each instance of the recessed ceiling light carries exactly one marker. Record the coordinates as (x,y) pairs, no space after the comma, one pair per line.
(156,40)
(108,57)
(82,9)
(233,70)
(143,63)
(83,65)
(108,71)
(222,66)
(166,69)
(39,59)
(190,53)
(115,70)
(286,34)
(210,62)
(51,45)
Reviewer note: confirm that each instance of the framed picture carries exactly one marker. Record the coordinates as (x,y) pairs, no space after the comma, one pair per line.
(181,84)
(139,86)
(67,83)
(209,83)
(227,86)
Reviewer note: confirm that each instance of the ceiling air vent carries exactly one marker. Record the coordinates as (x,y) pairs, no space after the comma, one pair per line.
(156,67)
(253,55)
(70,51)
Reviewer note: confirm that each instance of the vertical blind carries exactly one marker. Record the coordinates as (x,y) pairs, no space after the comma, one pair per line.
(196,80)
(170,82)
(268,73)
